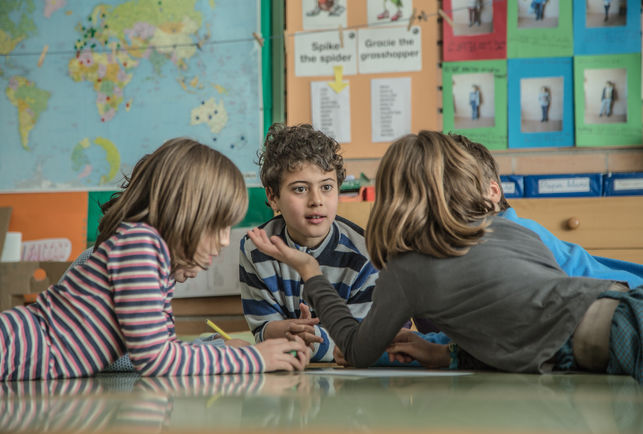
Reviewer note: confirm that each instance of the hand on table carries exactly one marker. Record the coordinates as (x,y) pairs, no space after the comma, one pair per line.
(408,346)
(277,355)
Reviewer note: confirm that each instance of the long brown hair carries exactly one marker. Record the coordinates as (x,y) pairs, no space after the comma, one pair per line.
(183,189)
(431,198)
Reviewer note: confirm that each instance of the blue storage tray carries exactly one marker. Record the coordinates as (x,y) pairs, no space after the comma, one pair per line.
(513,185)
(564,185)
(623,184)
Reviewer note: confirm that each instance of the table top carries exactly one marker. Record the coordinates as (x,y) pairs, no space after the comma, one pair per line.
(320,400)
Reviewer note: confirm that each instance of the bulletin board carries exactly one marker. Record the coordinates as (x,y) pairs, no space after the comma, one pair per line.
(360,19)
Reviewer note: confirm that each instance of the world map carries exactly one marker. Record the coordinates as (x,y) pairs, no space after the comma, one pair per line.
(89,87)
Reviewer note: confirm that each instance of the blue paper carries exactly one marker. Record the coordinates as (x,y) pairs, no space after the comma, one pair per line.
(526,79)
(603,38)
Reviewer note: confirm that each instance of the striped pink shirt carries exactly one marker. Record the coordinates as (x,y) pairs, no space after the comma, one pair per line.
(119,302)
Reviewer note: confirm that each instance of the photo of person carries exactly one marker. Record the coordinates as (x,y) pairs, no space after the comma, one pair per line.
(472,17)
(534,14)
(380,11)
(323,14)
(604,13)
(605,95)
(473,100)
(541,104)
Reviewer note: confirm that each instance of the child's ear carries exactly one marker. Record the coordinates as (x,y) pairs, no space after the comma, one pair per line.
(495,192)
(272,199)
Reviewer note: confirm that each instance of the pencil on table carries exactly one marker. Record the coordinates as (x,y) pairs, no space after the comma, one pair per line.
(218,329)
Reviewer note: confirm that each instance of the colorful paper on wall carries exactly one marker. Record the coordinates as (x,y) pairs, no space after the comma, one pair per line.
(475,33)
(474,99)
(607,93)
(49,215)
(94,201)
(540,31)
(541,102)
(607,27)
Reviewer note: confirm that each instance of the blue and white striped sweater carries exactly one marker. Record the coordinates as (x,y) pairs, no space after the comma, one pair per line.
(272,291)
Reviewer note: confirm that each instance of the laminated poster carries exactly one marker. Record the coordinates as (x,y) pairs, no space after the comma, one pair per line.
(474,99)
(541,102)
(607,26)
(475,32)
(539,29)
(607,93)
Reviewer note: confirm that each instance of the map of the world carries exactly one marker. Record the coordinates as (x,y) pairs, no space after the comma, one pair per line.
(88,87)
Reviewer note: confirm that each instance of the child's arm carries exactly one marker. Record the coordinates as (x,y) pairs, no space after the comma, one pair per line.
(362,343)
(138,270)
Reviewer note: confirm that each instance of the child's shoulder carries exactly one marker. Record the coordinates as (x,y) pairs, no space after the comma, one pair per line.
(351,235)
(141,232)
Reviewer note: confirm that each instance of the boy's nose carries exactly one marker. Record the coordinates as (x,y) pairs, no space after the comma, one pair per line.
(315,199)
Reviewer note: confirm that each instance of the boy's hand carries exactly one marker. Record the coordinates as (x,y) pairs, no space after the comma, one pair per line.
(305,264)
(304,328)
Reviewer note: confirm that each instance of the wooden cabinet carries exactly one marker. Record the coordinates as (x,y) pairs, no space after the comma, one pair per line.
(605,226)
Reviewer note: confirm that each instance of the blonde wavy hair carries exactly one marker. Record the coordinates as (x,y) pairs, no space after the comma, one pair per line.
(431,198)
(185,190)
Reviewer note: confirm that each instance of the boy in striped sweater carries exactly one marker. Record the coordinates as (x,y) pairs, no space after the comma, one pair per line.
(301,170)
(172,217)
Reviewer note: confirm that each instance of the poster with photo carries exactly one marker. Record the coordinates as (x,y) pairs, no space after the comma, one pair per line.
(388,11)
(541,102)
(607,89)
(607,26)
(478,30)
(474,101)
(539,28)
(324,14)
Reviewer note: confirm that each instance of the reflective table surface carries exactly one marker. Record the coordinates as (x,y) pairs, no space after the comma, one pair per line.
(315,401)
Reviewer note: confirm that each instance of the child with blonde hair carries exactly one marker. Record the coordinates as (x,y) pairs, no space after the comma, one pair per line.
(172,217)
(488,283)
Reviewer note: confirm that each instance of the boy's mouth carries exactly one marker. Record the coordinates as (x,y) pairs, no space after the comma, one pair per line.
(315,218)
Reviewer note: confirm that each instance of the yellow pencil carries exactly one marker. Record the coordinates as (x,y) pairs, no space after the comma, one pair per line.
(218,329)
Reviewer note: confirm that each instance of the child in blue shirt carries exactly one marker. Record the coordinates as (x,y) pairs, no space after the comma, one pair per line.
(301,170)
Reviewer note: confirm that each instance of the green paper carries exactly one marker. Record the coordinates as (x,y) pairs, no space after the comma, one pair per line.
(494,74)
(526,41)
(258,212)
(623,127)
(94,201)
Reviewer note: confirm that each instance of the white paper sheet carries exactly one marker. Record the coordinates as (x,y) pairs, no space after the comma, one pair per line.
(331,110)
(385,372)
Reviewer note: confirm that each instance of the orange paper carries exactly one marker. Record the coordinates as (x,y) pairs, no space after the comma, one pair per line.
(49,215)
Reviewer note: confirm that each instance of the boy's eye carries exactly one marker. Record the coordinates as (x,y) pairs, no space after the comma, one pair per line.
(327,187)
(299,189)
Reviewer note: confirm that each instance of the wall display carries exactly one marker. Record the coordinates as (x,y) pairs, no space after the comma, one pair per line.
(477,30)
(541,102)
(404,47)
(323,14)
(317,53)
(66,214)
(390,108)
(475,101)
(388,11)
(607,92)
(331,108)
(88,88)
(607,26)
(539,28)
